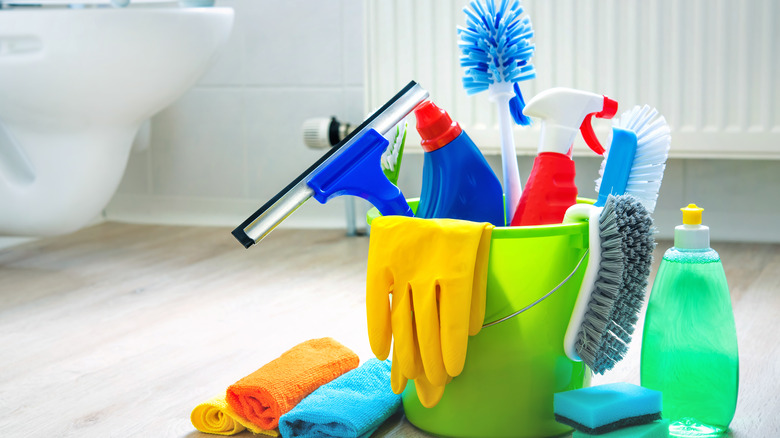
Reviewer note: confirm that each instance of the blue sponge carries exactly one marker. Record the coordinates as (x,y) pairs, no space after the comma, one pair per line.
(656,429)
(603,408)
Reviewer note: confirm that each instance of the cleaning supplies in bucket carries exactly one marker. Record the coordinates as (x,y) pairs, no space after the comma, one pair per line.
(550,189)
(496,52)
(457,181)
(514,367)
(435,271)
(689,345)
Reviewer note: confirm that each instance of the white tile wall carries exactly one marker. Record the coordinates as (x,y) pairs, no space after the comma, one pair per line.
(234,140)
(272,115)
(198,146)
(298,43)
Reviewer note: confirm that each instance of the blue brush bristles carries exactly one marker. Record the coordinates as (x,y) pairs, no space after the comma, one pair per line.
(496,48)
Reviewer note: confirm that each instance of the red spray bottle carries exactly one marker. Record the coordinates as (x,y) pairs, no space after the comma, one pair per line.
(550,189)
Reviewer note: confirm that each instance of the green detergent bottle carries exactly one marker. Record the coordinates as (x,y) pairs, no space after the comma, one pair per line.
(689,345)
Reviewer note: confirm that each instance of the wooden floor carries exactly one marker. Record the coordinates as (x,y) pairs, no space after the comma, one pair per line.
(120,330)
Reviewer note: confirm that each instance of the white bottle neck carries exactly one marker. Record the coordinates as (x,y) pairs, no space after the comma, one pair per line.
(692,237)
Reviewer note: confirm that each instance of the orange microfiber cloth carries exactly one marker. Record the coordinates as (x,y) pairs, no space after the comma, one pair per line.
(270,392)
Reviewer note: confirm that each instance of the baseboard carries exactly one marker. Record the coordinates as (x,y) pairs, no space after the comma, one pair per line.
(7,242)
(216,212)
(725,226)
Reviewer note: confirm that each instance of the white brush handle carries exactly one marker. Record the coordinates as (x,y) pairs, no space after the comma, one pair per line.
(511,172)
(579,213)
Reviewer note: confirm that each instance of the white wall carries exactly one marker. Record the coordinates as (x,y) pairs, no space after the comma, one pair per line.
(234,140)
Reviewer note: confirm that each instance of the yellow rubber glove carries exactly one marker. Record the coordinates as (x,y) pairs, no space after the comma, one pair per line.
(397,380)
(435,270)
(428,393)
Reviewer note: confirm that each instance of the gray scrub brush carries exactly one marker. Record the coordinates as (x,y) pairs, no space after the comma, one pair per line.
(613,287)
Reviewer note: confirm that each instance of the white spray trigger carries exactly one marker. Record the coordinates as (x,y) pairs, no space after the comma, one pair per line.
(564,112)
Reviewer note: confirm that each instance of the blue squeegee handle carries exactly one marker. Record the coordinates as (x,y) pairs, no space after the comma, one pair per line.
(284,203)
(358,172)
(620,160)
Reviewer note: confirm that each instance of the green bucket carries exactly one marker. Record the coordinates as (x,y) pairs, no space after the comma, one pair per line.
(514,367)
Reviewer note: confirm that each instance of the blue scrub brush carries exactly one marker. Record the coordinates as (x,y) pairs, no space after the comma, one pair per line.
(621,240)
(496,51)
(635,162)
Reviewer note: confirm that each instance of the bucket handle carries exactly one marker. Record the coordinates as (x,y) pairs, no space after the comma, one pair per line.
(542,298)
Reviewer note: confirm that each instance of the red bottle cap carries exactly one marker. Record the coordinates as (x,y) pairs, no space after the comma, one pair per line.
(435,126)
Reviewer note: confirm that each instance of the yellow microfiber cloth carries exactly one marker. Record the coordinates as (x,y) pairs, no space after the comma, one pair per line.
(436,272)
(271,391)
(217,417)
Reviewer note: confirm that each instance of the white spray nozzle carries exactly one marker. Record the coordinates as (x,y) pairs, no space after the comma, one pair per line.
(564,112)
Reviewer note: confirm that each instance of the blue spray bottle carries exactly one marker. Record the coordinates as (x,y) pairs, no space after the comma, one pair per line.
(458,183)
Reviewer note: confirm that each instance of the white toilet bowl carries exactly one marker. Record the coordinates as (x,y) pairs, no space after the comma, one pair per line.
(75,85)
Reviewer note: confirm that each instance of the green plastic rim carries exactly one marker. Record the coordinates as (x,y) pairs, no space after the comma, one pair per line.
(508,232)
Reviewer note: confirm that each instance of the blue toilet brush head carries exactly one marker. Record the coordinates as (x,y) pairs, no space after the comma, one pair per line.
(496,49)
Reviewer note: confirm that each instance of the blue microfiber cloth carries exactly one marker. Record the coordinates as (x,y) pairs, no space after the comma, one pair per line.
(656,429)
(603,408)
(352,406)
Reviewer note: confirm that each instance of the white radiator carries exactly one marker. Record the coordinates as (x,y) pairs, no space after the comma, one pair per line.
(709,66)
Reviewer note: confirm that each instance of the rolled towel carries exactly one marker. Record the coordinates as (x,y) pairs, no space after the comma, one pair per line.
(352,406)
(271,391)
(217,417)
